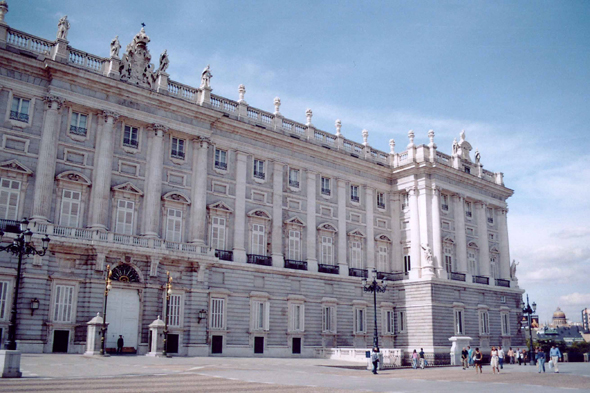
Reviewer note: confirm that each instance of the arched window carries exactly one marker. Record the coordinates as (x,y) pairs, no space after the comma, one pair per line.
(125,273)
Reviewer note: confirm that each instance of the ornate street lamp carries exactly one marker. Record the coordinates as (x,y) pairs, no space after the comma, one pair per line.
(22,247)
(107,287)
(528,311)
(168,288)
(374,287)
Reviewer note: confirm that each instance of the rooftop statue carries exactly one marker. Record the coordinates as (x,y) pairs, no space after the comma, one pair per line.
(513,268)
(62,28)
(115,47)
(206,76)
(164,62)
(135,65)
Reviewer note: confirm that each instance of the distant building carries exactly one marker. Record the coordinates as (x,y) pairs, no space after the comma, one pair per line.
(559,318)
(586,320)
(566,334)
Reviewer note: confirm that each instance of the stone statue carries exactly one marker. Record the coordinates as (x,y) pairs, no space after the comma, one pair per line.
(164,62)
(427,253)
(115,46)
(455,147)
(206,76)
(513,268)
(62,28)
(135,63)
(477,156)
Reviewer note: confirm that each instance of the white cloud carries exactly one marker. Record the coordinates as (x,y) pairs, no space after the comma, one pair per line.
(575,299)
(572,233)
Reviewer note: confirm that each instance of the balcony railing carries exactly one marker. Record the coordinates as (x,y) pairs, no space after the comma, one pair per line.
(326,191)
(353,272)
(78,130)
(502,283)
(297,265)
(224,255)
(259,175)
(468,214)
(177,154)
(354,198)
(381,205)
(10,226)
(490,220)
(396,276)
(331,269)
(457,276)
(20,116)
(294,183)
(221,165)
(131,143)
(445,207)
(481,280)
(259,259)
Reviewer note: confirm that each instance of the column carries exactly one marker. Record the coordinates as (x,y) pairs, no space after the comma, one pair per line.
(240,216)
(199,191)
(45,173)
(397,259)
(312,261)
(501,215)
(370,195)
(101,189)
(482,233)
(342,237)
(153,183)
(277,215)
(415,250)
(460,239)
(436,234)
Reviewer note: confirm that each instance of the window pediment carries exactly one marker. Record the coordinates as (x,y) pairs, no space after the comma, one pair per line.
(356,232)
(15,166)
(449,239)
(128,187)
(327,227)
(221,206)
(383,238)
(494,249)
(74,177)
(259,213)
(175,196)
(295,221)
(472,245)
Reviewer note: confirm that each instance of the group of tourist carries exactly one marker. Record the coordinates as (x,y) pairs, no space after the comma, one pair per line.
(474,358)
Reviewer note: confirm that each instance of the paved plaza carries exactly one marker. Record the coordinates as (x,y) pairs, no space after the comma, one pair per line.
(75,373)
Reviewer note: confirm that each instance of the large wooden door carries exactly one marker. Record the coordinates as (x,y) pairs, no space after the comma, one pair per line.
(122,317)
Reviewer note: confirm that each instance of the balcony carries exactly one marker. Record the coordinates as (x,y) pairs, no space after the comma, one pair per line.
(468,213)
(397,276)
(78,130)
(259,259)
(326,191)
(224,255)
(177,154)
(457,276)
(294,183)
(363,273)
(481,280)
(10,226)
(131,143)
(20,116)
(490,220)
(445,207)
(381,205)
(331,269)
(297,265)
(259,175)
(502,283)
(354,198)
(221,165)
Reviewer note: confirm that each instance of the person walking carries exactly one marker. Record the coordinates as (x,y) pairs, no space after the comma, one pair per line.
(525,356)
(501,357)
(470,355)
(422,360)
(540,358)
(494,360)
(477,359)
(520,357)
(555,355)
(120,344)
(464,356)
(415,360)
(511,355)
(375,359)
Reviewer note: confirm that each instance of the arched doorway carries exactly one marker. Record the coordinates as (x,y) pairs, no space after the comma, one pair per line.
(123,309)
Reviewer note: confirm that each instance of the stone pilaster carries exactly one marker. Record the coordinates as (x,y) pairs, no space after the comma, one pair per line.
(101,189)
(312,260)
(501,215)
(482,233)
(415,249)
(153,183)
(436,234)
(342,238)
(277,215)
(199,191)
(46,163)
(460,239)
(370,202)
(396,247)
(240,218)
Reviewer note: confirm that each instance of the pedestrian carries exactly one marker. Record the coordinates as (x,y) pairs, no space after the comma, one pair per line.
(120,344)
(525,356)
(501,357)
(540,358)
(415,360)
(375,359)
(470,357)
(422,360)
(511,355)
(555,354)
(464,356)
(477,359)
(494,360)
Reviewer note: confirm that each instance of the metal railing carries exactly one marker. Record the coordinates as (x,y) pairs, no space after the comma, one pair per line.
(331,269)
(259,259)
(457,276)
(500,282)
(297,265)
(10,226)
(354,272)
(224,255)
(395,276)
(481,280)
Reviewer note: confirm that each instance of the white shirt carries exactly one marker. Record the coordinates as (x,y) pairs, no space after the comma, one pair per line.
(501,354)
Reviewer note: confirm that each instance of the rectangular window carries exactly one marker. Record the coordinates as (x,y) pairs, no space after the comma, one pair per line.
(467,169)
(297,317)
(359,320)
(329,319)
(505,324)
(125,211)
(405,201)
(356,260)
(472,262)
(260,315)
(217,313)
(258,240)
(174,309)
(490,215)
(131,137)
(448,251)
(459,322)
(294,177)
(3,300)
(177,148)
(401,322)
(64,299)
(20,109)
(381,200)
(79,124)
(70,208)
(468,212)
(325,185)
(218,233)
(327,250)
(407,262)
(9,197)
(295,245)
(220,159)
(444,202)
(382,258)
(389,322)
(259,169)
(174,226)
(494,266)
(484,322)
(354,193)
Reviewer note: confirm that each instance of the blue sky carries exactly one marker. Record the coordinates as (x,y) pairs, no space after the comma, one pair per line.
(514,74)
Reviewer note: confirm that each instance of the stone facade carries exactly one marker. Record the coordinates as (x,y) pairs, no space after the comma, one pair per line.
(266,224)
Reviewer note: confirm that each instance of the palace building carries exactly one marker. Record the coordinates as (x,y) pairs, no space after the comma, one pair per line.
(266,225)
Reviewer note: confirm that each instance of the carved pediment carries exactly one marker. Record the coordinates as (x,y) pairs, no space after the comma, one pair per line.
(259,213)
(220,206)
(327,227)
(356,232)
(135,64)
(74,177)
(295,221)
(383,238)
(494,249)
(128,187)
(15,166)
(449,239)
(175,196)
(472,245)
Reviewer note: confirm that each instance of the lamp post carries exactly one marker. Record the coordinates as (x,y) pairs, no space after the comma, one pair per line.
(107,287)
(168,288)
(22,247)
(374,286)
(528,311)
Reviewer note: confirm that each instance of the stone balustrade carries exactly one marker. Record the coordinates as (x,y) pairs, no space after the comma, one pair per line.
(28,42)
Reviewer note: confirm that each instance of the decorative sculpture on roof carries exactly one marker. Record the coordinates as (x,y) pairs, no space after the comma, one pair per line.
(206,76)
(164,62)
(427,253)
(115,47)
(464,148)
(62,28)
(135,65)
(455,147)
(513,269)
(477,156)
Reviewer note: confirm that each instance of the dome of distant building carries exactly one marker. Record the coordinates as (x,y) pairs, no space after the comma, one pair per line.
(559,318)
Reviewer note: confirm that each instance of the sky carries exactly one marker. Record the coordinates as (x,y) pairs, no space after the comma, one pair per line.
(515,75)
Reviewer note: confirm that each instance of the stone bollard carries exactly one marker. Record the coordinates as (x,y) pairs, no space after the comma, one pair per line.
(93,336)
(156,338)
